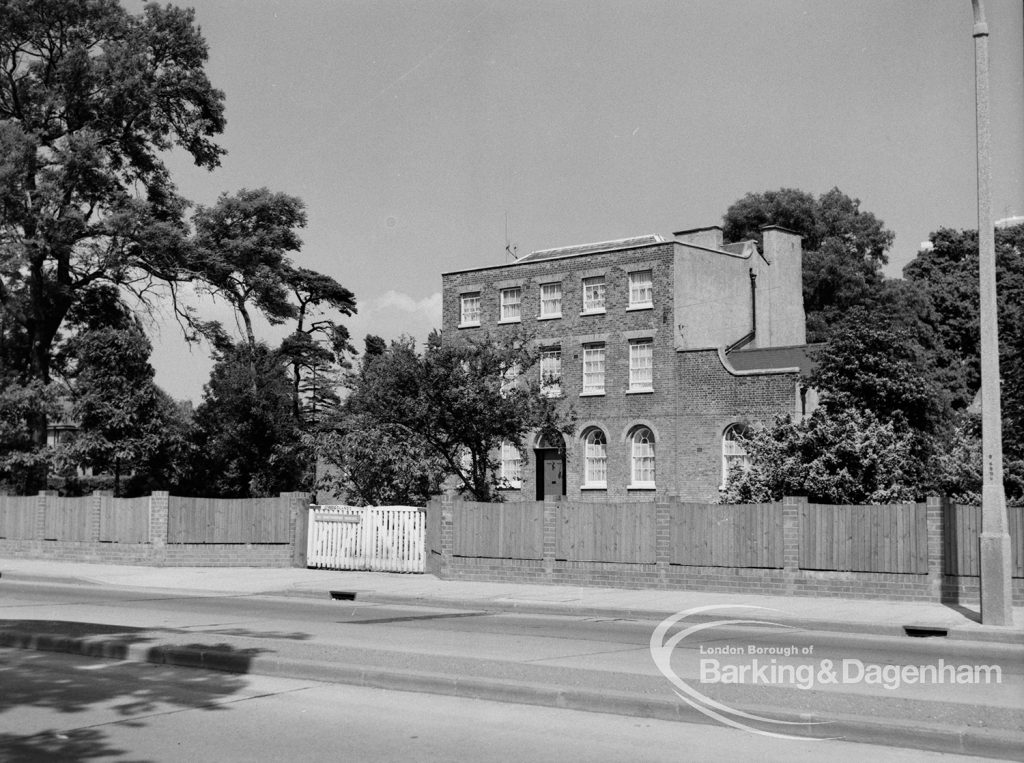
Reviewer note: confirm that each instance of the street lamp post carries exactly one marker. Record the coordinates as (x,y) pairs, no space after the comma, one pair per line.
(994,542)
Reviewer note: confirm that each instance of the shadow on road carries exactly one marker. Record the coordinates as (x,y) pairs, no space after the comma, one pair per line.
(29,680)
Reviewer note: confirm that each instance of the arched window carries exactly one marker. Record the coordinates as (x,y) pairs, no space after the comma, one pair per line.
(642,443)
(595,459)
(733,453)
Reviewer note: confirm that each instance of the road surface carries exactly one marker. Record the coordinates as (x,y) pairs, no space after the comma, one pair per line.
(69,708)
(583,662)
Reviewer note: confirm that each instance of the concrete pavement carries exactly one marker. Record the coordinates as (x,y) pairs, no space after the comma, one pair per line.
(828,614)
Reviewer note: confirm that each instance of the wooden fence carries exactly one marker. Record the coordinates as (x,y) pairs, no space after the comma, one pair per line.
(886,538)
(960,540)
(124,520)
(68,519)
(875,539)
(227,520)
(18,516)
(716,535)
(605,532)
(499,530)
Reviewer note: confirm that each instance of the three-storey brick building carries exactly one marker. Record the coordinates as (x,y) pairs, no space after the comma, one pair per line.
(664,346)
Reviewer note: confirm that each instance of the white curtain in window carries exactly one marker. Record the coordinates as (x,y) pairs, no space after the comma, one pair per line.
(641,288)
(593,293)
(593,369)
(511,302)
(511,465)
(643,457)
(641,365)
(550,299)
(595,459)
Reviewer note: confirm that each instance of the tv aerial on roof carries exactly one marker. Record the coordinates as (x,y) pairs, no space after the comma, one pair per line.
(510,248)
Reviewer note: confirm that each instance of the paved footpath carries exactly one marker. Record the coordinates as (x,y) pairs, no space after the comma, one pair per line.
(829,614)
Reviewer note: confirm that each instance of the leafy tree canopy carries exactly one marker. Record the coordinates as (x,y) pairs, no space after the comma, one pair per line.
(246,442)
(90,98)
(870,367)
(126,424)
(241,252)
(458,402)
(844,247)
(846,457)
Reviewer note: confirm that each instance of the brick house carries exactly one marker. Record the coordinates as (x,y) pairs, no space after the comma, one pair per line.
(664,346)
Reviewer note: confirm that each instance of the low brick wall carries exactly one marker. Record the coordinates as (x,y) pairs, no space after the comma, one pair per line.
(156,550)
(788,580)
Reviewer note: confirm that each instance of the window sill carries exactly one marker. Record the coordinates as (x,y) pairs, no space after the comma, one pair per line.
(647,306)
(602,311)
(469,325)
(549,317)
(510,320)
(644,391)
(592,394)
(641,486)
(595,486)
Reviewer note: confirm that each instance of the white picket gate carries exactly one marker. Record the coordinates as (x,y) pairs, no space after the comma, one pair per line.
(376,538)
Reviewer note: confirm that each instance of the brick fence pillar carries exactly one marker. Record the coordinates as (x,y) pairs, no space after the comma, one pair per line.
(549,539)
(159,501)
(297,506)
(662,540)
(936,541)
(42,504)
(447,510)
(96,511)
(792,507)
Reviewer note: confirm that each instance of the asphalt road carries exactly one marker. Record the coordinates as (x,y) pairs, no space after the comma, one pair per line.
(69,708)
(603,658)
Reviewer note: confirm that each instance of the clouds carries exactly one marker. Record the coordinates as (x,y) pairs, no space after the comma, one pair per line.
(393,313)
(430,306)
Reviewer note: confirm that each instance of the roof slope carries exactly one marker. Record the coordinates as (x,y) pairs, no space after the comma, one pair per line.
(599,246)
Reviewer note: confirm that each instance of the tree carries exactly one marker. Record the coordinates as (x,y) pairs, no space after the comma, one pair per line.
(90,97)
(846,457)
(241,245)
(23,463)
(457,403)
(374,464)
(844,248)
(868,367)
(126,424)
(875,435)
(947,274)
(246,442)
(319,344)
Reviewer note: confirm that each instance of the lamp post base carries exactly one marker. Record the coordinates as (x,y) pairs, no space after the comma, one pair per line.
(996,593)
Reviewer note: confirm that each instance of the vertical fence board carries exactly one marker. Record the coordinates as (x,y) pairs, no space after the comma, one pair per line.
(124,520)
(717,535)
(18,517)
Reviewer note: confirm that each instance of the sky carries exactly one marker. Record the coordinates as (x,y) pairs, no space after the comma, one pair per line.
(425,135)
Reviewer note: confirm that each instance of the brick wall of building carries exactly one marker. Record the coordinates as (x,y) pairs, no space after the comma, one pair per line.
(694,396)
(709,398)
